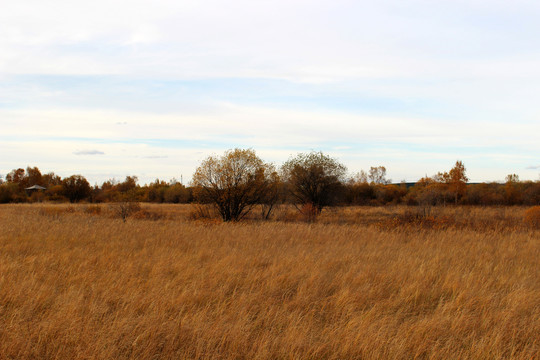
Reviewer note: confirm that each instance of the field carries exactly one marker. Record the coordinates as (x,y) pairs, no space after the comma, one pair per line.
(76,282)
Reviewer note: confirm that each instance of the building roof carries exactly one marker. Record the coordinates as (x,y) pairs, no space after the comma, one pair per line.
(35,187)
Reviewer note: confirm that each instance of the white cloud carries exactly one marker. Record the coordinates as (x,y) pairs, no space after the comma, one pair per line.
(414,145)
(264,127)
(88,152)
(301,40)
(477,59)
(478,56)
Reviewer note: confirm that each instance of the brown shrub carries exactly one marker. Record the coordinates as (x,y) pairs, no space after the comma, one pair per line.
(309,212)
(201,212)
(419,219)
(532,217)
(144,214)
(92,210)
(125,209)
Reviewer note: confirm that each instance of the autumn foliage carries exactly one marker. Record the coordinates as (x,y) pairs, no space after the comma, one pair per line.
(315,180)
(238,180)
(234,183)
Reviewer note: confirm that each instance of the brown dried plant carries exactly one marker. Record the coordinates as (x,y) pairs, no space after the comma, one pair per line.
(78,286)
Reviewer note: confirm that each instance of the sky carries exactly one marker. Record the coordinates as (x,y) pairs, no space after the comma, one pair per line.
(113,88)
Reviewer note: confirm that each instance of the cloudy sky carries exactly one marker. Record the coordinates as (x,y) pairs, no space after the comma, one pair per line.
(150,88)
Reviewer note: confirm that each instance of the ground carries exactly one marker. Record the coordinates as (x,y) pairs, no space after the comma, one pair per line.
(76,282)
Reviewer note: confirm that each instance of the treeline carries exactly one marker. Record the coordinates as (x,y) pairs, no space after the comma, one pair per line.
(289,184)
(76,188)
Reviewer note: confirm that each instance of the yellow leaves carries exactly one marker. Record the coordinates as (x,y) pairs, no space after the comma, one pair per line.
(233,182)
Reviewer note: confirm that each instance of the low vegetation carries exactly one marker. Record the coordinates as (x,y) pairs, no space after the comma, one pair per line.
(239,181)
(77,282)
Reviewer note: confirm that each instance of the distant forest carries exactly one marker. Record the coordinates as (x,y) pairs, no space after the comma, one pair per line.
(365,188)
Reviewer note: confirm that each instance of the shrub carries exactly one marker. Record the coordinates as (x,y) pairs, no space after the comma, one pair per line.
(234,183)
(201,212)
(532,217)
(176,193)
(125,209)
(7,192)
(92,209)
(315,180)
(309,212)
(148,215)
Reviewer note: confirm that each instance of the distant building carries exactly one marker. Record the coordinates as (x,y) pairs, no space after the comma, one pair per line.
(35,191)
(35,187)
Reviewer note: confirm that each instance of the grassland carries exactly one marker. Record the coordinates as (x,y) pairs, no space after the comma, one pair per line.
(361,283)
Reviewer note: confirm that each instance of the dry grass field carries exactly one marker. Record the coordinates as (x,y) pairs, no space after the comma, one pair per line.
(76,282)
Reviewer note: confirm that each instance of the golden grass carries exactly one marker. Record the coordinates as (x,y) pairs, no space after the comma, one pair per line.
(81,284)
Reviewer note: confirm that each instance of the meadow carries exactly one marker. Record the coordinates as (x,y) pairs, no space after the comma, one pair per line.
(77,282)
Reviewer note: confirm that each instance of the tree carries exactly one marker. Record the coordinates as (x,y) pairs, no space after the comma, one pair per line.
(360,178)
(16,181)
(272,196)
(33,176)
(8,192)
(176,193)
(457,181)
(442,187)
(315,180)
(76,188)
(512,178)
(15,176)
(128,185)
(155,191)
(377,175)
(358,191)
(427,192)
(512,188)
(51,179)
(234,183)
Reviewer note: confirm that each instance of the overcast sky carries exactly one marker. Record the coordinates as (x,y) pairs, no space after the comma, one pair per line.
(150,88)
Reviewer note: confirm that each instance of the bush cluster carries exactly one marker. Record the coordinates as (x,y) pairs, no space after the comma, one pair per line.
(239,180)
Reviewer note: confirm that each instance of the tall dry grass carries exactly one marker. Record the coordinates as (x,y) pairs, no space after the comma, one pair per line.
(81,284)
